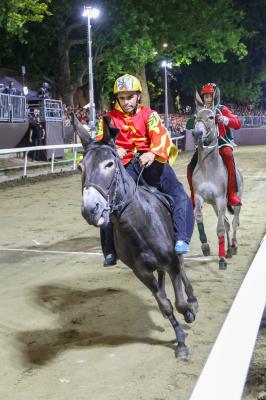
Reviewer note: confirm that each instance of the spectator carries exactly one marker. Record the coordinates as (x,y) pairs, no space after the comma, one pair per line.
(44,91)
(36,136)
(10,89)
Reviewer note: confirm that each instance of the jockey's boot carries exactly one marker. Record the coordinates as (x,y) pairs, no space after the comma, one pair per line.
(110,259)
(107,243)
(181,247)
(189,179)
(227,156)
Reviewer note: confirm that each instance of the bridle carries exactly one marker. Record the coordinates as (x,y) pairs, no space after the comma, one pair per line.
(209,130)
(111,191)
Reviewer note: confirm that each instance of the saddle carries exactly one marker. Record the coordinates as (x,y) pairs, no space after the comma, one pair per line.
(164,198)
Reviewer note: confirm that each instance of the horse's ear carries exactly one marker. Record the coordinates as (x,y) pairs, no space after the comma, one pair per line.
(110,132)
(217,96)
(81,131)
(198,101)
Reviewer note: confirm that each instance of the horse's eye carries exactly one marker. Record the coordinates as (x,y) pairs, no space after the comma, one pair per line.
(109,165)
(211,117)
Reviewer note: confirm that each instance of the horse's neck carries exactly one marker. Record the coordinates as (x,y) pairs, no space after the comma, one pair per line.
(208,157)
(126,187)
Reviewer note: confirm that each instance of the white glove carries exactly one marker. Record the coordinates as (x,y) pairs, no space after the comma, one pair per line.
(223,119)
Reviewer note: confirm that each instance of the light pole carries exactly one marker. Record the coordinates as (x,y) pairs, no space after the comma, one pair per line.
(91,13)
(166,65)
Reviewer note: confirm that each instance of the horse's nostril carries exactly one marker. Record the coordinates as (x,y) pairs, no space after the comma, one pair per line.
(96,208)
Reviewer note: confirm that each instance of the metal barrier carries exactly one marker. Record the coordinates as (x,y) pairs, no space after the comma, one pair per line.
(53,110)
(26,150)
(74,147)
(224,374)
(17,108)
(12,108)
(252,120)
(4,107)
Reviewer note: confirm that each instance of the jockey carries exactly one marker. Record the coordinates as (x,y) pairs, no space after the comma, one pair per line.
(142,133)
(225,120)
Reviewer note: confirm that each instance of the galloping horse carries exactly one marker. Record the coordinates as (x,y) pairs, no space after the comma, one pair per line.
(209,181)
(142,223)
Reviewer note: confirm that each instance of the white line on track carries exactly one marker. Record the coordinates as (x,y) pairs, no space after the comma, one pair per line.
(201,258)
(195,257)
(53,252)
(244,176)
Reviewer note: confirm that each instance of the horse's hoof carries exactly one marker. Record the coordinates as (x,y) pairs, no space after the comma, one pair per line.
(189,316)
(205,249)
(222,264)
(233,250)
(182,351)
(229,252)
(194,306)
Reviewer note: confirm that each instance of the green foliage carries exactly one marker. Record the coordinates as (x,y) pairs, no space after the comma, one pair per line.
(16,14)
(199,33)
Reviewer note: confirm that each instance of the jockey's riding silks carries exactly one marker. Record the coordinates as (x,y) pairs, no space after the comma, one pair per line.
(142,132)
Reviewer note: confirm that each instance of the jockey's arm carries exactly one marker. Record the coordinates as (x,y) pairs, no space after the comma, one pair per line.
(159,137)
(232,121)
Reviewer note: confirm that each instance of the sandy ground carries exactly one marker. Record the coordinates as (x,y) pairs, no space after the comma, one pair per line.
(71,329)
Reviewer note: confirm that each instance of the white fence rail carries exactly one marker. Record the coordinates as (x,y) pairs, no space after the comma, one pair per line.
(224,374)
(74,147)
(26,150)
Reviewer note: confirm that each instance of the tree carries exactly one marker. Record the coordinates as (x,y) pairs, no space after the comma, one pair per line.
(126,36)
(16,14)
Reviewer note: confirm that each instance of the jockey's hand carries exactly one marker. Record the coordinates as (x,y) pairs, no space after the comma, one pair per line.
(223,119)
(146,159)
(121,152)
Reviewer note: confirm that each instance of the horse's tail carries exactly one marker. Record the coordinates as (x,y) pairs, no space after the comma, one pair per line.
(230,209)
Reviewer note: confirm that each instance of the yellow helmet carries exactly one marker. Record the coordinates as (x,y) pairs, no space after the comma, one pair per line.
(127,83)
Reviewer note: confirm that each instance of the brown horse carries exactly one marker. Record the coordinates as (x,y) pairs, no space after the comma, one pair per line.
(142,223)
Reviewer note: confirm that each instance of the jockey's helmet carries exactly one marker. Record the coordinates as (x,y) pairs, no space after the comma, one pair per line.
(127,83)
(209,88)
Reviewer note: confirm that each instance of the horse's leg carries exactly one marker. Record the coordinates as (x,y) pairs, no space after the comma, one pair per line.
(235,224)
(199,219)
(229,244)
(227,230)
(182,306)
(192,300)
(237,209)
(161,280)
(221,207)
(165,306)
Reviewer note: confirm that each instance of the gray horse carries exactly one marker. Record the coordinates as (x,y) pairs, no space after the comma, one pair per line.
(209,181)
(142,223)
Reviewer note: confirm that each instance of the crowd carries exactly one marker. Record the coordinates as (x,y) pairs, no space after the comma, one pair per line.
(246,110)
(177,123)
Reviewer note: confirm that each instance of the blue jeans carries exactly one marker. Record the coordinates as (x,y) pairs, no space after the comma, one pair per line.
(163,177)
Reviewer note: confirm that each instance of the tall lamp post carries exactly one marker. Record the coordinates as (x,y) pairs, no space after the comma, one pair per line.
(166,65)
(91,13)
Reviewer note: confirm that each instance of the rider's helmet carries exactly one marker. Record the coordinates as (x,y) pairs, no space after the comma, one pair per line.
(209,88)
(127,83)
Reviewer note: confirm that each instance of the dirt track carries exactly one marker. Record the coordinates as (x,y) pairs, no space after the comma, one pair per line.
(71,329)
